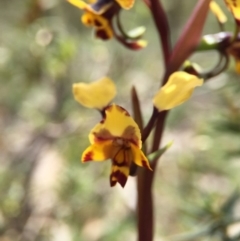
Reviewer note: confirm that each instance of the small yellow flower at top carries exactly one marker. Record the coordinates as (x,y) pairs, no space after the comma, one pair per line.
(95,95)
(116,137)
(176,91)
(98,15)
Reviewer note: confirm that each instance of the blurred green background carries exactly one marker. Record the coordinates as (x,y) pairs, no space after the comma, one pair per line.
(46,194)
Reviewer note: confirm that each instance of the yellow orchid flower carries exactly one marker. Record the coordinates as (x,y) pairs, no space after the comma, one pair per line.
(116,137)
(234,7)
(95,95)
(177,90)
(98,16)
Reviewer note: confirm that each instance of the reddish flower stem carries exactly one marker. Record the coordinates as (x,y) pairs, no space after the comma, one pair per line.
(150,125)
(161,22)
(145,208)
(145,181)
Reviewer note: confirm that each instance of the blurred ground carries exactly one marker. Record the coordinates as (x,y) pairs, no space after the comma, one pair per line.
(46,193)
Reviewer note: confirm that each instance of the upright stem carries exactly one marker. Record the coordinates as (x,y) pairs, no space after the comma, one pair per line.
(145,181)
(161,22)
(145,209)
(145,205)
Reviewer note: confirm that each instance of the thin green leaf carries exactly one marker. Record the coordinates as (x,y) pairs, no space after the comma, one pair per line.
(155,155)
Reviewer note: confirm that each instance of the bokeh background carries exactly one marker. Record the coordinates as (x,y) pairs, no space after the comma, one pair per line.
(46,194)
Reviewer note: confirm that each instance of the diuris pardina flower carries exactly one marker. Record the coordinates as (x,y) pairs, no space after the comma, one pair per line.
(99,15)
(116,137)
(177,90)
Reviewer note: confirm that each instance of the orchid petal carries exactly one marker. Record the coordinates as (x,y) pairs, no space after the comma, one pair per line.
(95,95)
(79,4)
(176,91)
(139,158)
(117,123)
(119,174)
(100,151)
(217,11)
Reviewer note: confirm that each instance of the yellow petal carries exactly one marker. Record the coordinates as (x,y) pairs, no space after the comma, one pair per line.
(119,174)
(88,19)
(177,90)
(91,19)
(217,11)
(117,123)
(92,1)
(121,156)
(139,158)
(234,6)
(126,4)
(95,95)
(100,151)
(78,3)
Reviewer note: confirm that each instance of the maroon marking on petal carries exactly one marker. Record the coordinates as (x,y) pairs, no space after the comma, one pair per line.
(98,138)
(134,142)
(88,157)
(121,109)
(145,164)
(121,164)
(112,183)
(89,21)
(108,108)
(121,178)
(102,34)
(102,121)
(238,21)
(234,3)
(97,23)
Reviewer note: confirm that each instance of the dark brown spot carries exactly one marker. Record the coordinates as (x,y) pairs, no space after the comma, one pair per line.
(102,121)
(234,3)
(97,23)
(89,21)
(88,157)
(121,178)
(102,34)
